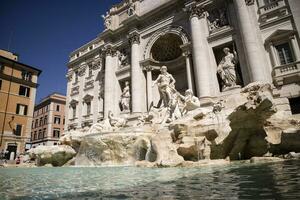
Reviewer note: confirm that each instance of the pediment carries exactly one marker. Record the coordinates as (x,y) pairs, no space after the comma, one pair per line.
(280,33)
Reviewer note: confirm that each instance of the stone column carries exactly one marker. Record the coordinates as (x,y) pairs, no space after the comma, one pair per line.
(200,51)
(295,47)
(136,74)
(188,66)
(148,70)
(252,45)
(108,82)
(274,55)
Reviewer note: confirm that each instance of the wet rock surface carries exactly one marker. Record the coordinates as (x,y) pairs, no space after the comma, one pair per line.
(52,155)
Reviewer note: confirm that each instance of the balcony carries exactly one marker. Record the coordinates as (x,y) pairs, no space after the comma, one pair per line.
(285,74)
(272,11)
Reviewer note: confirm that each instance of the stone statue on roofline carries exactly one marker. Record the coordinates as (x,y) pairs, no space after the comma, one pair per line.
(226,69)
(107,20)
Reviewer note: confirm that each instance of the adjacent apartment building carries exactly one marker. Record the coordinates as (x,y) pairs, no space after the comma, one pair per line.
(48,120)
(18,84)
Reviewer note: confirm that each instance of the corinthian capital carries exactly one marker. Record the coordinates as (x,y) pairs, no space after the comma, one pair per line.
(134,38)
(109,51)
(195,11)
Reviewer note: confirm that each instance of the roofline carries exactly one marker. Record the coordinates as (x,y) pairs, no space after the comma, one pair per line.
(22,64)
(83,46)
(53,93)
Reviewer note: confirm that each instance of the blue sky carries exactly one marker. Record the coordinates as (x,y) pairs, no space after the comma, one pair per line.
(44,32)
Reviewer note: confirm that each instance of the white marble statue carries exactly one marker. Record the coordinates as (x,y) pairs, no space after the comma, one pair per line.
(123,59)
(116,121)
(166,85)
(100,127)
(190,101)
(131,10)
(107,20)
(226,69)
(125,98)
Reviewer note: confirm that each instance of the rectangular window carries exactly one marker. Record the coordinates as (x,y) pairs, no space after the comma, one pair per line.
(46,119)
(57,108)
(74,112)
(35,135)
(76,76)
(1,67)
(40,136)
(44,133)
(90,71)
(24,91)
(0,84)
(21,109)
(41,121)
(284,53)
(56,133)
(26,76)
(36,123)
(88,108)
(56,120)
(18,130)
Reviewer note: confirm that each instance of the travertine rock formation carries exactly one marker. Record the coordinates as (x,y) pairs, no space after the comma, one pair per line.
(54,155)
(248,123)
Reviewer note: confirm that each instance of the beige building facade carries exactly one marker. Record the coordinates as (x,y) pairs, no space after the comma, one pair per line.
(48,120)
(191,38)
(18,84)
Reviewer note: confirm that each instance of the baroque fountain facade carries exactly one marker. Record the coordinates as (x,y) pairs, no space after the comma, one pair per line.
(169,83)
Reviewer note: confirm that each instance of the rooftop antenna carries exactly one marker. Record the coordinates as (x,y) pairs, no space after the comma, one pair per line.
(10,39)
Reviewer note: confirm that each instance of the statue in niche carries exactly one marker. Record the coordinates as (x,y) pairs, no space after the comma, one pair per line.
(191,102)
(107,20)
(125,98)
(226,69)
(166,86)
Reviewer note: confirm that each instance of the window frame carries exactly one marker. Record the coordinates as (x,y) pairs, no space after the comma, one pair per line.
(58,118)
(283,42)
(26,76)
(18,130)
(24,89)
(56,133)
(18,108)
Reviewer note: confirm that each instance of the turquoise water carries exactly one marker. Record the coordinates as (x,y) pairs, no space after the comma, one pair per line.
(279,180)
